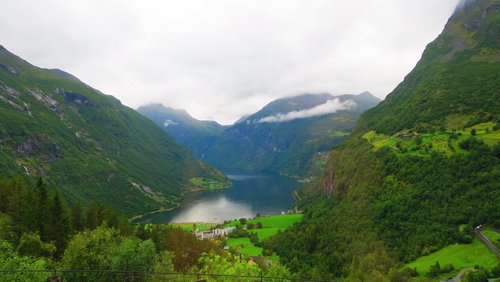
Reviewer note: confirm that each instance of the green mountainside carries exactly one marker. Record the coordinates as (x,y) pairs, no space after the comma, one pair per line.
(87,144)
(195,134)
(420,170)
(289,136)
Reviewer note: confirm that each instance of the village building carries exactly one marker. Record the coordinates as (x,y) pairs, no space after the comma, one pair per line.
(215,233)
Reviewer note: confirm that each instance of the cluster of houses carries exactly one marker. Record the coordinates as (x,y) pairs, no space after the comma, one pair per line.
(215,233)
(406,135)
(292,211)
(220,232)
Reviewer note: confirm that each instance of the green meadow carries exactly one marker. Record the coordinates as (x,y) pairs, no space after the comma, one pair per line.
(422,144)
(270,226)
(460,256)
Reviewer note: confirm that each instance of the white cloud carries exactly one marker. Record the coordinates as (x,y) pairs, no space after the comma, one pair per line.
(169,122)
(329,107)
(221,59)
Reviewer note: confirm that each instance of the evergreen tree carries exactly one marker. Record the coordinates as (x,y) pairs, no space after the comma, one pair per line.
(42,208)
(59,224)
(92,216)
(78,219)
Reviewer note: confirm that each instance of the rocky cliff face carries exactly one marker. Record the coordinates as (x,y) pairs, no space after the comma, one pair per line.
(418,167)
(86,144)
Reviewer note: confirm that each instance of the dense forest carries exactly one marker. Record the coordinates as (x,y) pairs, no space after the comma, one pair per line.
(443,199)
(38,231)
(420,171)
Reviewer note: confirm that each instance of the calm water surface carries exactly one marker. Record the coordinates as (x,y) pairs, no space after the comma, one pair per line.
(251,193)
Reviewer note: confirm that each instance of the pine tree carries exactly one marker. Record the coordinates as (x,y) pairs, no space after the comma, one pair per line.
(78,217)
(59,224)
(92,216)
(42,209)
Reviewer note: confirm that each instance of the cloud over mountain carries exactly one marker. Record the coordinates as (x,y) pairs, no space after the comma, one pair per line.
(329,107)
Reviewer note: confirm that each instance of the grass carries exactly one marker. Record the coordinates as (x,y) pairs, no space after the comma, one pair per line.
(208,183)
(189,226)
(460,256)
(278,221)
(272,221)
(437,142)
(244,246)
(334,133)
(265,233)
(493,236)
(270,224)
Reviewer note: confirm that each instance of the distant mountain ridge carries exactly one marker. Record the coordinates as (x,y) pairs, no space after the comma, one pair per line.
(195,134)
(88,145)
(288,135)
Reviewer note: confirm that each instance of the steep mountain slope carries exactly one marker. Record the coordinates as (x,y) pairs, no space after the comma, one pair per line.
(87,144)
(195,134)
(288,135)
(420,170)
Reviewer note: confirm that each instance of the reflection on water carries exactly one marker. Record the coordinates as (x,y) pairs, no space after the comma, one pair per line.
(244,176)
(251,193)
(213,210)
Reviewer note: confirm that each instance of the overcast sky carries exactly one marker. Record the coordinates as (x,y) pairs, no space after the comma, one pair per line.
(223,59)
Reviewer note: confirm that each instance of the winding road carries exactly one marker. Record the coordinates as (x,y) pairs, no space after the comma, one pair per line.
(479,233)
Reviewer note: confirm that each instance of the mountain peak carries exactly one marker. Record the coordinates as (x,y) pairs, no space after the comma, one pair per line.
(194,134)
(366,94)
(180,114)
(112,152)
(467,3)
(446,88)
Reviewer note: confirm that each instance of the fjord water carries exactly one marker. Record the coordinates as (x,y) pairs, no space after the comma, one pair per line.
(263,193)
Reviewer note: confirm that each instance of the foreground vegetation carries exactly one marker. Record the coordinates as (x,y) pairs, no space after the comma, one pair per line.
(420,170)
(460,256)
(38,231)
(249,241)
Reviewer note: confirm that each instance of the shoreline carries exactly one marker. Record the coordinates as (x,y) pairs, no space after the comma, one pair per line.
(178,205)
(139,216)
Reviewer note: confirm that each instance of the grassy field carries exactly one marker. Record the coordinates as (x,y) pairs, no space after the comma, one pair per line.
(244,246)
(460,256)
(201,226)
(272,221)
(493,236)
(270,226)
(444,142)
(208,183)
(265,233)
(278,221)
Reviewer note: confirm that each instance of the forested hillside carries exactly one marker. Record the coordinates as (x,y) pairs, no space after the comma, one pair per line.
(42,237)
(290,136)
(420,170)
(196,135)
(88,144)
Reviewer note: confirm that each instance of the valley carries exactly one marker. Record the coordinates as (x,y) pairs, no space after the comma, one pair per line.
(310,186)
(251,193)
(290,136)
